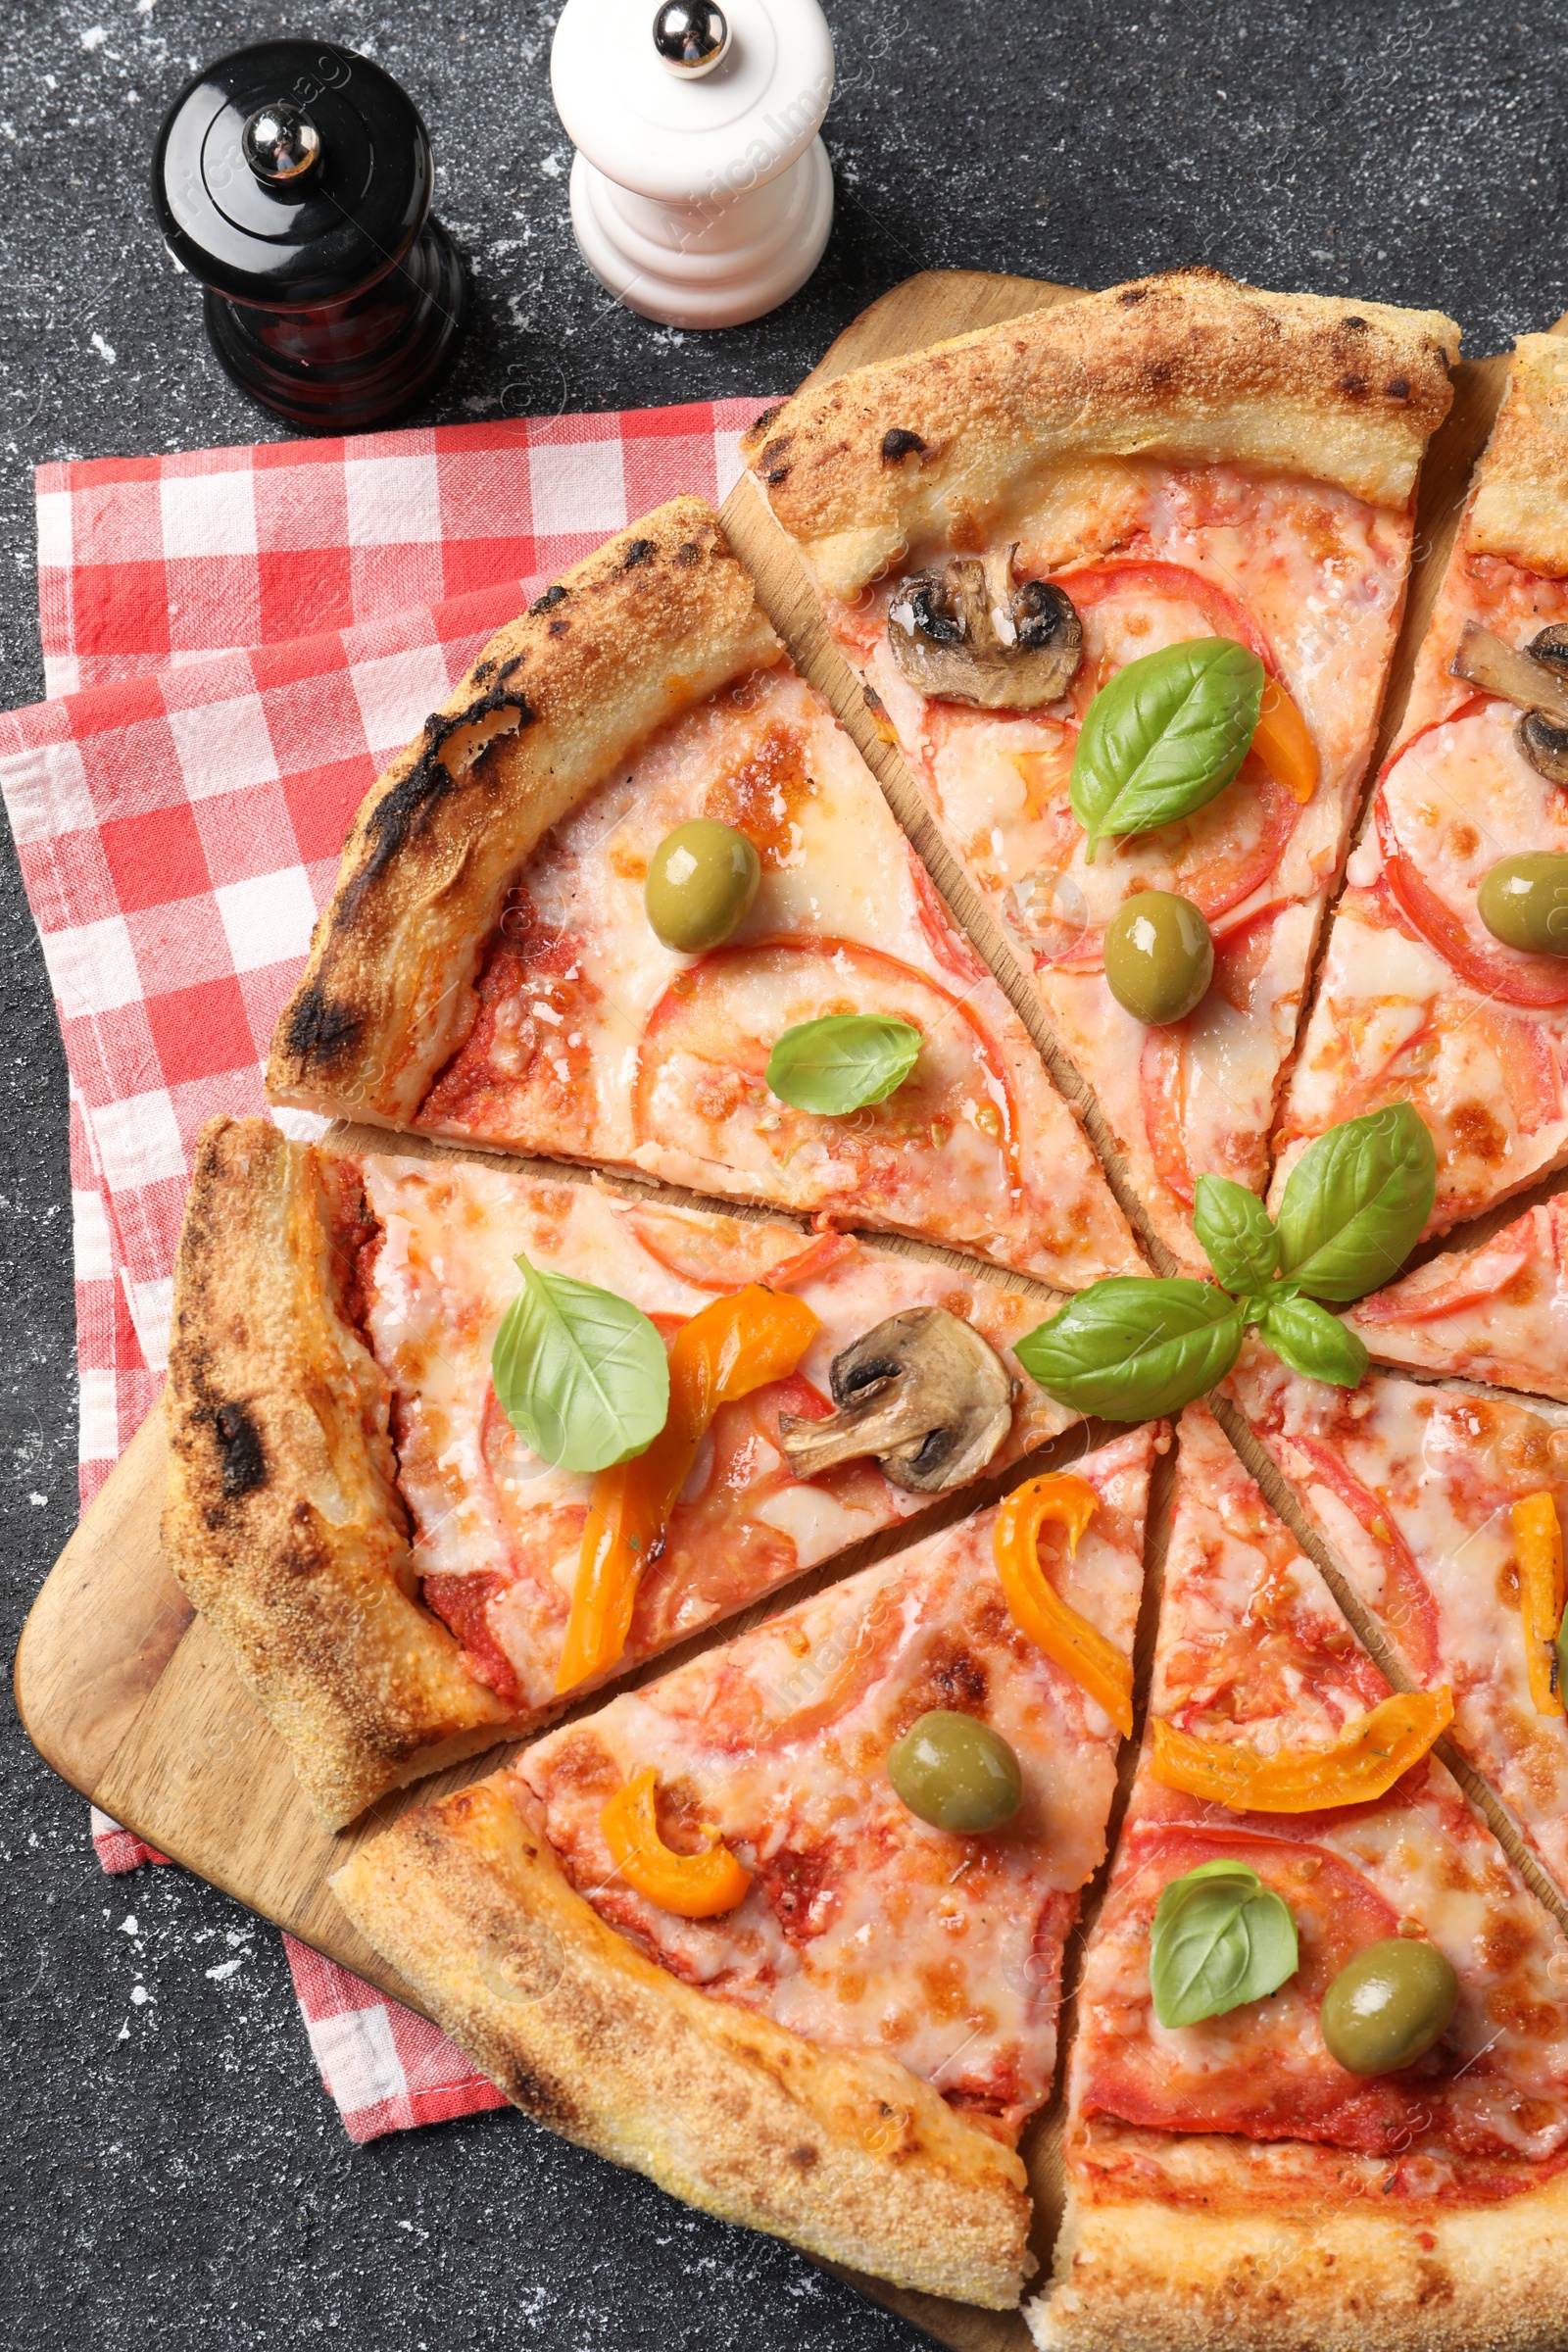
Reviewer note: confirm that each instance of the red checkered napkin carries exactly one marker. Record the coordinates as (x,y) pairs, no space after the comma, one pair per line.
(145,563)
(178,814)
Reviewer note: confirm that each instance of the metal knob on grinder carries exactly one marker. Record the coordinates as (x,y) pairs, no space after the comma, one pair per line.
(294,181)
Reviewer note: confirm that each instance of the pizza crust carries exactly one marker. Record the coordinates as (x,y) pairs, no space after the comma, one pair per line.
(1321,2267)
(1520,508)
(282,1520)
(655,621)
(845,2154)
(944,444)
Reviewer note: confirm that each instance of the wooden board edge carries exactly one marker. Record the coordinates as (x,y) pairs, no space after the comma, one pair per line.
(63,1643)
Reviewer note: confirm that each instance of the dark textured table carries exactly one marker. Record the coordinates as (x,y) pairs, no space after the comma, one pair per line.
(171,2172)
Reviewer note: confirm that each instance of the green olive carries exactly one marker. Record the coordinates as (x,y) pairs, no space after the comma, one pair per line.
(1388,2005)
(955,1773)
(1523,900)
(1159,957)
(701,880)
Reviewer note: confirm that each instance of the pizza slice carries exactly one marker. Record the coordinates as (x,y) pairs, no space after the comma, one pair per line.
(1003,527)
(633,899)
(1445,1508)
(1443,983)
(1497,1311)
(401,1577)
(1318,2093)
(784,1929)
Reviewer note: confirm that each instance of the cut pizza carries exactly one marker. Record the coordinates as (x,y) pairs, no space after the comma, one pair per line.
(1443,982)
(1319,2089)
(784,1929)
(1443,1506)
(1123,580)
(1496,1312)
(450,1443)
(633,899)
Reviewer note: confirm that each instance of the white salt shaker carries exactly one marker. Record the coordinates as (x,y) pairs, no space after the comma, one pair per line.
(701,192)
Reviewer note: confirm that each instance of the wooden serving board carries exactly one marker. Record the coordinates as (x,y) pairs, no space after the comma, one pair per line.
(128,1694)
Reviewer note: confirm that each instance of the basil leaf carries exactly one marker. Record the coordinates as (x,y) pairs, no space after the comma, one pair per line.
(841,1061)
(1220,1937)
(1313,1342)
(1355,1203)
(581,1375)
(1131,1346)
(1165,737)
(1237,1233)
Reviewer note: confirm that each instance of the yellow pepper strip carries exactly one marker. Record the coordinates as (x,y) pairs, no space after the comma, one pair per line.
(1368,1760)
(1037,1609)
(1284,743)
(692,1886)
(730,1347)
(1539,1538)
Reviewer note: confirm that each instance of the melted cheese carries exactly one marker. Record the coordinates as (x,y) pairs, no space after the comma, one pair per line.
(592,1041)
(1322,575)
(1393,1023)
(862,1924)
(1250,1646)
(1392,1020)
(1497,1313)
(1444,1470)
(485,1507)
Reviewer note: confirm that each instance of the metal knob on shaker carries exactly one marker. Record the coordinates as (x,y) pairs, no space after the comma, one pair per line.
(294,181)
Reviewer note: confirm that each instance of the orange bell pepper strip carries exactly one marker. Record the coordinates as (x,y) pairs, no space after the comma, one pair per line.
(1368,1760)
(1037,1609)
(692,1886)
(728,1349)
(1284,743)
(1538,1536)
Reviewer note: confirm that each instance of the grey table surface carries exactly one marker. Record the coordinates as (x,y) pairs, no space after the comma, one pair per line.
(173,2173)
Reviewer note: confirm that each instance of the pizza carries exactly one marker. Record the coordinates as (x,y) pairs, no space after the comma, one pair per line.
(1256,2172)
(1420,999)
(727,1183)
(707,1931)
(392,1568)
(1495,1311)
(996,531)
(488,971)
(1433,1500)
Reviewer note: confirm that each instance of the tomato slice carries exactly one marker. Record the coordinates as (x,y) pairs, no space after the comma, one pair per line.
(1164,1075)
(943,1146)
(1407,1607)
(1506,975)
(1260,2072)
(1167,1066)
(1526,1055)
(725,1253)
(463,1604)
(1477,1279)
(1221,876)
(1225,614)
(951,949)
(1219,858)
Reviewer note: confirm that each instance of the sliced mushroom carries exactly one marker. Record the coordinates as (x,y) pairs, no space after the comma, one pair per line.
(923,1393)
(1536,680)
(967,634)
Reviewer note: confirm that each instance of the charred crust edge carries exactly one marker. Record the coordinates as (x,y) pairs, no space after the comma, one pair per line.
(239,1442)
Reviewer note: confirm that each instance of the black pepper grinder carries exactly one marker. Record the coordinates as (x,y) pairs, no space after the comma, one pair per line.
(294,180)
